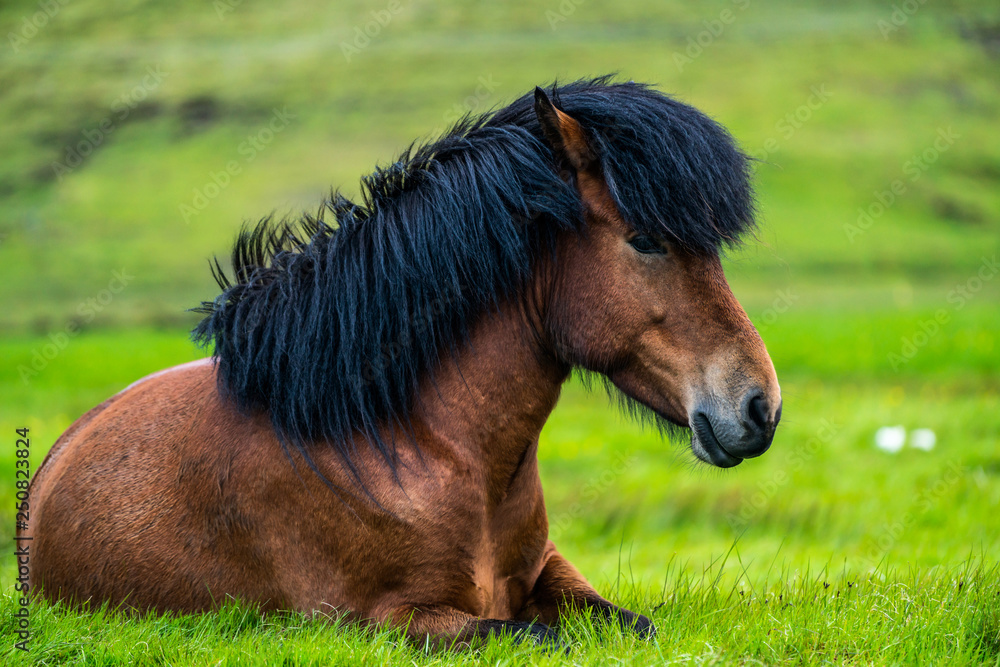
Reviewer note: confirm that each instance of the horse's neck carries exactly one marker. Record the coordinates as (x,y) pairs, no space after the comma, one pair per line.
(489,402)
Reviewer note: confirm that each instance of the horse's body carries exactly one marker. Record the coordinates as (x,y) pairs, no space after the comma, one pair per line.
(178,492)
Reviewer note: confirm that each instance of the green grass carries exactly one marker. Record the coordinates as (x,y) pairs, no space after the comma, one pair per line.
(945,617)
(648,526)
(825,550)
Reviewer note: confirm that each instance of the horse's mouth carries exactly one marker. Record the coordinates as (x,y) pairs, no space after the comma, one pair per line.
(706,445)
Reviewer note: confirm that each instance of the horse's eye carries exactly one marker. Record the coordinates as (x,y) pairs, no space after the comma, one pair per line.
(647,245)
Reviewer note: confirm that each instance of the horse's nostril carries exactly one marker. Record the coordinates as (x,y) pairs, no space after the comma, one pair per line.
(757,411)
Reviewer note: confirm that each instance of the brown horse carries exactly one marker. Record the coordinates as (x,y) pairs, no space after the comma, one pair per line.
(364,440)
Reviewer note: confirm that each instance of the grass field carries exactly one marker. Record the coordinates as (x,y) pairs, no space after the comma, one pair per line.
(874,283)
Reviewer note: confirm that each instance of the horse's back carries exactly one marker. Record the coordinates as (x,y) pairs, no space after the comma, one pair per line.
(132,503)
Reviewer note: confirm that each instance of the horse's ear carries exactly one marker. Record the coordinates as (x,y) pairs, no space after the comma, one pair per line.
(566,136)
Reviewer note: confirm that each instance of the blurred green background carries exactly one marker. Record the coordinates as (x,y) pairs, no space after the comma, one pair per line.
(135,138)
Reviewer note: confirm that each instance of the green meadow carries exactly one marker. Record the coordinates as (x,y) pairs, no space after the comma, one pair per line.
(136,137)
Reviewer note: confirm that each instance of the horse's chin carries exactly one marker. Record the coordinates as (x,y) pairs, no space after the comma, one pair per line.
(707,447)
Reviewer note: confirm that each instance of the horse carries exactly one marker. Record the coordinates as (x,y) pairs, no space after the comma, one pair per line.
(362,442)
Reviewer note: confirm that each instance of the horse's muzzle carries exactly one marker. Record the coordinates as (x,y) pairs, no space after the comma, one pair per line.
(725,437)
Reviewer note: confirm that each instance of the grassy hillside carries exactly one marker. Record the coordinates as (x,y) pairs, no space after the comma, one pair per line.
(162,103)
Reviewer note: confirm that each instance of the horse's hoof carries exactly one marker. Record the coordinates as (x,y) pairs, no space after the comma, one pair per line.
(643,627)
(629,621)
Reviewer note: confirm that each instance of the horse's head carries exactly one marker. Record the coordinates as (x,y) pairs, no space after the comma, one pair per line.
(656,318)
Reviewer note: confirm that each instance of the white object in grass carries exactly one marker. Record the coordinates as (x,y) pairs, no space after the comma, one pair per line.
(890,438)
(923,438)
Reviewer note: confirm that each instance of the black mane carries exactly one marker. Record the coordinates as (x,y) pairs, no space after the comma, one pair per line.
(672,170)
(331,322)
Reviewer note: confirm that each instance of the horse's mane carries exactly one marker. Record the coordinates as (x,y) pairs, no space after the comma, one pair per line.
(331,322)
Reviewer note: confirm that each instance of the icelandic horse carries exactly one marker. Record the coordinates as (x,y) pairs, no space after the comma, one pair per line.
(363,440)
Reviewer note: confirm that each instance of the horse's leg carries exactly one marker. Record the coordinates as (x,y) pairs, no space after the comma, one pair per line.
(560,587)
(447,627)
